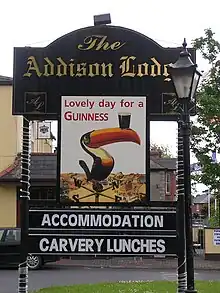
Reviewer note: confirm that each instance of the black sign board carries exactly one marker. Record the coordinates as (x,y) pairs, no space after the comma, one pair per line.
(109,220)
(94,61)
(103,232)
(76,244)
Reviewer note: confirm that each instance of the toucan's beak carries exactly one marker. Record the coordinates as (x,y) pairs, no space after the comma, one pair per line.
(106,136)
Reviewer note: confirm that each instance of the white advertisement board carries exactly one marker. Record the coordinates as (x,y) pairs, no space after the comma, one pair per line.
(103,148)
(43,130)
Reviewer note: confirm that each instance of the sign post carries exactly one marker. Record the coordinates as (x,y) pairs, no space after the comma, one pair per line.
(103,84)
(24,204)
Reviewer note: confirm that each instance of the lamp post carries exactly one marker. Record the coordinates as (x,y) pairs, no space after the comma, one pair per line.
(185,77)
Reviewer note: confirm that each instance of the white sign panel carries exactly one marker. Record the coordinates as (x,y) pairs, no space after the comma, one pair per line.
(216,237)
(103,148)
(44,130)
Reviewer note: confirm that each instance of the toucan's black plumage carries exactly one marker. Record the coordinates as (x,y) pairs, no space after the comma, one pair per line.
(102,167)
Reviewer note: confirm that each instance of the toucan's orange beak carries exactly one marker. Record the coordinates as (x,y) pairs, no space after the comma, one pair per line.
(106,136)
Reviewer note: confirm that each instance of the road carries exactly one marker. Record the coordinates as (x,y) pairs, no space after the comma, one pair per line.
(68,275)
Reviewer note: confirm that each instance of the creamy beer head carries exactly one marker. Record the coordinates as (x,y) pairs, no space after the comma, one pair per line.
(124,120)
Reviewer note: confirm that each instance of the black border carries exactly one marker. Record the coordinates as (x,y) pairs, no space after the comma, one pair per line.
(58,202)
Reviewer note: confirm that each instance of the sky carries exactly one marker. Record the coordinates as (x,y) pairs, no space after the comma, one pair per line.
(37,23)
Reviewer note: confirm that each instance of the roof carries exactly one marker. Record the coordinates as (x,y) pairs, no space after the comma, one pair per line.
(165,163)
(155,166)
(5,80)
(201,198)
(44,167)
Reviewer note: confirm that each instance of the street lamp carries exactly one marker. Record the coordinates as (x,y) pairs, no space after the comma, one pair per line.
(184,75)
(185,78)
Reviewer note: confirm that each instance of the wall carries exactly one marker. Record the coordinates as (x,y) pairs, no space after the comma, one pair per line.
(157,185)
(10,129)
(8,206)
(211,251)
(10,133)
(42,146)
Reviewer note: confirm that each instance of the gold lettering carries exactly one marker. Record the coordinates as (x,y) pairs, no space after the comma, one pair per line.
(117,45)
(103,69)
(155,68)
(126,68)
(87,41)
(98,42)
(48,68)
(33,66)
(145,67)
(81,69)
(103,44)
(61,68)
(165,73)
(91,66)
(71,67)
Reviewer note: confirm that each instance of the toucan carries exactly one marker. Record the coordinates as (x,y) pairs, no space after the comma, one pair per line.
(91,143)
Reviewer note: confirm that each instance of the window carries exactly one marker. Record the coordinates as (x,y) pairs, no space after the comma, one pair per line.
(13,235)
(168,183)
(43,193)
(1,234)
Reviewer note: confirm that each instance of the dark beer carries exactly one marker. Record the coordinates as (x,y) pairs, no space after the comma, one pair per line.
(124,120)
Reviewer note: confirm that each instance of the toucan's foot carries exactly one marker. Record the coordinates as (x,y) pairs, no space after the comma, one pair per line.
(97,186)
(85,168)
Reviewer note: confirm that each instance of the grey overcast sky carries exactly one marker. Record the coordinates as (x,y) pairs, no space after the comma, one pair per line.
(37,23)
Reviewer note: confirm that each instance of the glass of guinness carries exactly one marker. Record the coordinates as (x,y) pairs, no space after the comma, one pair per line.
(124,120)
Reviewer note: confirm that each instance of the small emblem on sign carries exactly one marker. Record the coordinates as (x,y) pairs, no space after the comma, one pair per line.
(44,129)
(35,102)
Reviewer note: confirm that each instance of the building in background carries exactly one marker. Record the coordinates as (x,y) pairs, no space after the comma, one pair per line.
(44,163)
(10,149)
(163,177)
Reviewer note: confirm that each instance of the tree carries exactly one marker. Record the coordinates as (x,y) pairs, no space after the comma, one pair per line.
(164,149)
(214,219)
(205,136)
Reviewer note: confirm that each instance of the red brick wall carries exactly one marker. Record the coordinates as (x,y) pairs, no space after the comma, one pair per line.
(173,185)
(171,196)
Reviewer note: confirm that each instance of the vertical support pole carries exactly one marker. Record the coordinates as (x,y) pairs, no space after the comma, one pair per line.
(209,204)
(58,202)
(188,199)
(180,217)
(24,207)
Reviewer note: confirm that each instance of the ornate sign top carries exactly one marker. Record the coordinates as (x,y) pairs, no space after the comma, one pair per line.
(99,60)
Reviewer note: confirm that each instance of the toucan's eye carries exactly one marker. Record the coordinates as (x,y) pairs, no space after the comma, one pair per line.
(87,139)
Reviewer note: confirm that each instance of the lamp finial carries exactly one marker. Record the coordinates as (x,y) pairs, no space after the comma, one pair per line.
(184,43)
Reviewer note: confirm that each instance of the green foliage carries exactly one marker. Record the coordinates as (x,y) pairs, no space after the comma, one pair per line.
(205,136)
(204,211)
(214,219)
(164,149)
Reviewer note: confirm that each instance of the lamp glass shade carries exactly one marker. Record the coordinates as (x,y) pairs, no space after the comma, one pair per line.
(182,80)
(195,83)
